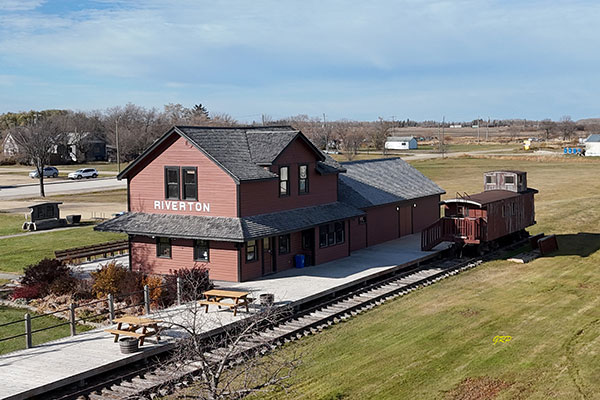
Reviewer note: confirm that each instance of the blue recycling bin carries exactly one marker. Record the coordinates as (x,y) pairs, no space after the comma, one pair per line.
(299,260)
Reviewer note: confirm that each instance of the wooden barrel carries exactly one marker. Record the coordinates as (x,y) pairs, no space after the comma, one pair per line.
(128,345)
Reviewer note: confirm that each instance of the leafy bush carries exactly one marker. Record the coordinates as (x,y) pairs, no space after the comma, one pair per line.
(62,285)
(155,286)
(44,274)
(27,292)
(109,279)
(194,281)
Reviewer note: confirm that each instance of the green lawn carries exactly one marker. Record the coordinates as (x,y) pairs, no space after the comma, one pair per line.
(437,343)
(8,314)
(11,223)
(16,253)
(105,196)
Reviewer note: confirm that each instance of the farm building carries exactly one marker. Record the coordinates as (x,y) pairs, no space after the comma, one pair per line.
(246,201)
(592,145)
(401,143)
(77,147)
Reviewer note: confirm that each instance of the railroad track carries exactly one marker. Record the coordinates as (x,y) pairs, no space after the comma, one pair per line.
(147,382)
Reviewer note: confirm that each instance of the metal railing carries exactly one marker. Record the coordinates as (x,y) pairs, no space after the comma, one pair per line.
(73,320)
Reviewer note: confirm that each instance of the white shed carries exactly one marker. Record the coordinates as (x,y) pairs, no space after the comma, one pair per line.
(401,143)
(592,145)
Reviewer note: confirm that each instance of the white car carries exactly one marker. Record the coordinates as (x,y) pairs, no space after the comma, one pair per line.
(83,173)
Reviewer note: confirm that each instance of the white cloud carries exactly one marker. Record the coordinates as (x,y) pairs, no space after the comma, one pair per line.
(20,5)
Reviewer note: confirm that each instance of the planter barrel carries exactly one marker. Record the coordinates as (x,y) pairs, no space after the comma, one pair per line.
(128,345)
(266,299)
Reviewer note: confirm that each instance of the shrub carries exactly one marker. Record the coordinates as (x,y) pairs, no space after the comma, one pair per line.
(27,292)
(194,281)
(44,273)
(108,280)
(155,286)
(62,285)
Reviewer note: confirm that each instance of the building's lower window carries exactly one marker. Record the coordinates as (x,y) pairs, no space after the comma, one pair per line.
(201,250)
(251,252)
(284,244)
(362,220)
(163,247)
(332,234)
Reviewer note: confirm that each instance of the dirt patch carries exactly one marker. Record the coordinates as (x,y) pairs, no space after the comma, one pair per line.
(481,388)
(469,312)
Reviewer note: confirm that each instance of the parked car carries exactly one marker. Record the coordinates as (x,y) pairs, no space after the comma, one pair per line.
(83,173)
(49,172)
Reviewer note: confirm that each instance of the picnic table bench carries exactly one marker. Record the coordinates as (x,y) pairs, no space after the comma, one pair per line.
(149,328)
(216,297)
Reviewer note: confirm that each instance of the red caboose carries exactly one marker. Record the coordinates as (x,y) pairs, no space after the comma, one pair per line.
(504,207)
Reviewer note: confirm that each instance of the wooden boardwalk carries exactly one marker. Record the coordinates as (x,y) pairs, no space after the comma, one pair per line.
(70,360)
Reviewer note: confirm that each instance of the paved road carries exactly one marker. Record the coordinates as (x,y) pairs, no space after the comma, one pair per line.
(85,185)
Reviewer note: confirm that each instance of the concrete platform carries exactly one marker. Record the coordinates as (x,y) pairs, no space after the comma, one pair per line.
(70,360)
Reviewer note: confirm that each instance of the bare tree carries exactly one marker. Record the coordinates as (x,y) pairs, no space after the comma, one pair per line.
(549,127)
(237,361)
(514,131)
(380,134)
(567,127)
(37,140)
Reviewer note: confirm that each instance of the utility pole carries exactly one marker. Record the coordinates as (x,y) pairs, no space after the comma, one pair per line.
(487,129)
(117,139)
(478,123)
(326,134)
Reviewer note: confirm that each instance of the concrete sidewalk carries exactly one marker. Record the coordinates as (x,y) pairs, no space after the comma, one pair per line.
(69,360)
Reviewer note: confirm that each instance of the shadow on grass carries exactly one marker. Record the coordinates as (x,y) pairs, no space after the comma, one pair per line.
(582,244)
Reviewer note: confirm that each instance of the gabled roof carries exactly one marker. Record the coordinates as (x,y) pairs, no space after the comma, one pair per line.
(376,182)
(489,196)
(595,137)
(242,152)
(228,228)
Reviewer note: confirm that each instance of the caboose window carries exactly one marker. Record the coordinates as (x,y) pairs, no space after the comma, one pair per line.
(489,179)
(509,180)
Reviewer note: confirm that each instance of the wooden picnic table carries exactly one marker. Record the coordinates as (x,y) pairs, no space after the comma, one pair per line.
(216,297)
(149,328)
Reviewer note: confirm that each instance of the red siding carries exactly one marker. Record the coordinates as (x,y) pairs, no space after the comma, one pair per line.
(223,257)
(215,186)
(426,212)
(358,235)
(263,196)
(382,224)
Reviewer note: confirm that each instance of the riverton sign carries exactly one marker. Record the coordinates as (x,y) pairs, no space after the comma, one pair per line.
(173,205)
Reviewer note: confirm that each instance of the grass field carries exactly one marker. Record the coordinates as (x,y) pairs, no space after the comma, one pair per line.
(105,196)
(11,224)
(8,314)
(437,343)
(18,252)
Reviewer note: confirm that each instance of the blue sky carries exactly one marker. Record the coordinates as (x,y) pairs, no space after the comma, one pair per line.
(350,59)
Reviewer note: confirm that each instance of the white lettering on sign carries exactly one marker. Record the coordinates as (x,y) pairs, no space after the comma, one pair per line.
(181,206)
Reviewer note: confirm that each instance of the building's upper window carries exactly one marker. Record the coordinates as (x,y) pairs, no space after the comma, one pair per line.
(331,234)
(163,247)
(201,250)
(251,251)
(284,181)
(189,178)
(284,244)
(509,180)
(303,179)
(172,183)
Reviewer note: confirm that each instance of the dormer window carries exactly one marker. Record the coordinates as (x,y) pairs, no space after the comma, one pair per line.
(303,179)
(284,181)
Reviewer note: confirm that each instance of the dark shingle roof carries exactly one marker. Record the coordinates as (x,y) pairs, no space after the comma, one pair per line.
(228,228)
(377,182)
(242,151)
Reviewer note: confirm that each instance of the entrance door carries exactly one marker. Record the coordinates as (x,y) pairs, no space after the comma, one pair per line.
(308,245)
(268,259)
(405,223)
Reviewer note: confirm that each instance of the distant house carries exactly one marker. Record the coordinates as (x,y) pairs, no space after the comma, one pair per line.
(79,147)
(9,146)
(592,145)
(401,143)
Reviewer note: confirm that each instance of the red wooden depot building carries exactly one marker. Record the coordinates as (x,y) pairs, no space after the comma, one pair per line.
(245,201)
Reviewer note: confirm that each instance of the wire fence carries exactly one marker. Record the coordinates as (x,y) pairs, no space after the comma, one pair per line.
(73,321)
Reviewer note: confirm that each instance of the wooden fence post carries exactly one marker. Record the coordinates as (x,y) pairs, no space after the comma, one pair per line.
(72,319)
(111,308)
(178,291)
(28,339)
(147,299)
